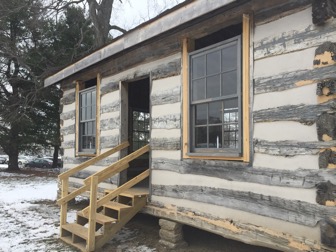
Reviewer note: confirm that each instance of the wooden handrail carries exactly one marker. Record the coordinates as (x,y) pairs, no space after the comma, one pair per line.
(118,191)
(85,188)
(91,161)
(116,167)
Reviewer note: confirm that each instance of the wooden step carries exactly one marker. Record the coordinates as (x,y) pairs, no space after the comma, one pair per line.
(100,218)
(79,245)
(78,230)
(135,192)
(116,206)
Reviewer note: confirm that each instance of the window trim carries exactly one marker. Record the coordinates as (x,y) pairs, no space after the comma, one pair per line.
(192,151)
(80,86)
(187,47)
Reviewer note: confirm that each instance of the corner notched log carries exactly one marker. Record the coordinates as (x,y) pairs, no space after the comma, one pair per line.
(328,232)
(323,10)
(325,194)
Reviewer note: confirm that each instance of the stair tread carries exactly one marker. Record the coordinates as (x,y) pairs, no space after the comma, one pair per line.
(132,192)
(116,205)
(78,230)
(100,218)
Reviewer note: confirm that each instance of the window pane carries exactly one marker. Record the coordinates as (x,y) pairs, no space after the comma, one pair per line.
(201,137)
(229,58)
(198,90)
(198,67)
(231,124)
(201,114)
(215,137)
(215,112)
(213,63)
(213,86)
(229,83)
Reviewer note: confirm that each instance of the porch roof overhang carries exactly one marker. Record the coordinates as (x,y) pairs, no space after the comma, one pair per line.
(183,14)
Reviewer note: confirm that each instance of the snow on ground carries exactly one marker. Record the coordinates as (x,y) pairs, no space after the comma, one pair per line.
(29,216)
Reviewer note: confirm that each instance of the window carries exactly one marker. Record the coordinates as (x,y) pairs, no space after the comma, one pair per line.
(140,134)
(216,94)
(86,117)
(87,120)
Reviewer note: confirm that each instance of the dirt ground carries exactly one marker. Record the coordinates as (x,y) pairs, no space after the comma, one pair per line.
(29,221)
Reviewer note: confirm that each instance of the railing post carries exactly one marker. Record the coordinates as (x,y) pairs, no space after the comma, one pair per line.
(92,214)
(64,207)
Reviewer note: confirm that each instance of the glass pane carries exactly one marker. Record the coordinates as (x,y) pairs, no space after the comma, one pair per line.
(201,137)
(88,113)
(198,90)
(229,83)
(215,112)
(213,63)
(198,67)
(231,103)
(88,99)
(201,114)
(213,86)
(215,137)
(229,58)
(231,123)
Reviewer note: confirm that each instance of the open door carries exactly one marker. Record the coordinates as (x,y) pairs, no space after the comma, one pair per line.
(137,123)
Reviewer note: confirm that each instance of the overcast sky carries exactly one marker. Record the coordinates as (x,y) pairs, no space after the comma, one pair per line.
(131,13)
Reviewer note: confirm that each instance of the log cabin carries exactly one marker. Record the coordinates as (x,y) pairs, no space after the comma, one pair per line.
(216,114)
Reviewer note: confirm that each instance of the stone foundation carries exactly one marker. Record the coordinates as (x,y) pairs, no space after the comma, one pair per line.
(171,234)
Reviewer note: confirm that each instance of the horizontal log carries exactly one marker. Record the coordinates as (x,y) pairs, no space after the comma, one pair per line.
(68,115)
(111,107)
(68,144)
(291,148)
(294,40)
(293,79)
(79,160)
(242,172)
(69,98)
(233,228)
(108,141)
(167,122)
(172,68)
(68,130)
(110,124)
(109,88)
(306,114)
(294,211)
(166,143)
(166,97)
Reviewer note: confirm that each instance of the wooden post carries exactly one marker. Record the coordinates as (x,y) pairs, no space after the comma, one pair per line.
(64,207)
(246,88)
(92,214)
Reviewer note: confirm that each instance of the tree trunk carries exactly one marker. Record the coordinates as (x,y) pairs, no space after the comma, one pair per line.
(55,157)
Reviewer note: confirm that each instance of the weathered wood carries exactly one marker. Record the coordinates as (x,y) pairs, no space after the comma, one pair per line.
(167,122)
(108,141)
(166,97)
(110,124)
(306,114)
(328,232)
(98,122)
(109,88)
(325,192)
(166,143)
(326,125)
(111,107)
(291,148)
(294,211)
(238,171)
(68,98)
(323,10)
(68,144)
(68,130)
(294,40)
(326,87)
(166,70)
(327,157)
(293,79)
(68,115)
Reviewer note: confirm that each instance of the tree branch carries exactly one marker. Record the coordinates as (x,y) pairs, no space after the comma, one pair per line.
(115,27)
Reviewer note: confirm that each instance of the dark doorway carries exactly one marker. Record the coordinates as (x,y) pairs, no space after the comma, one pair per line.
(138,124)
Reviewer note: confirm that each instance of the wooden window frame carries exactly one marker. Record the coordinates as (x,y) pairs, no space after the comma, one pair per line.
(80,86)
(187,47)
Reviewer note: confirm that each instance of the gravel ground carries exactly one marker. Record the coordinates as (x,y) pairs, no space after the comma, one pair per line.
(29,221)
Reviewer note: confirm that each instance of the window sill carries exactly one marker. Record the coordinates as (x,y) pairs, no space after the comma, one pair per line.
(214,156)
(86,154)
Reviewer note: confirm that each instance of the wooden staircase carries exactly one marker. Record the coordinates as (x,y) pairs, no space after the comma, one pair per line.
(96,224)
